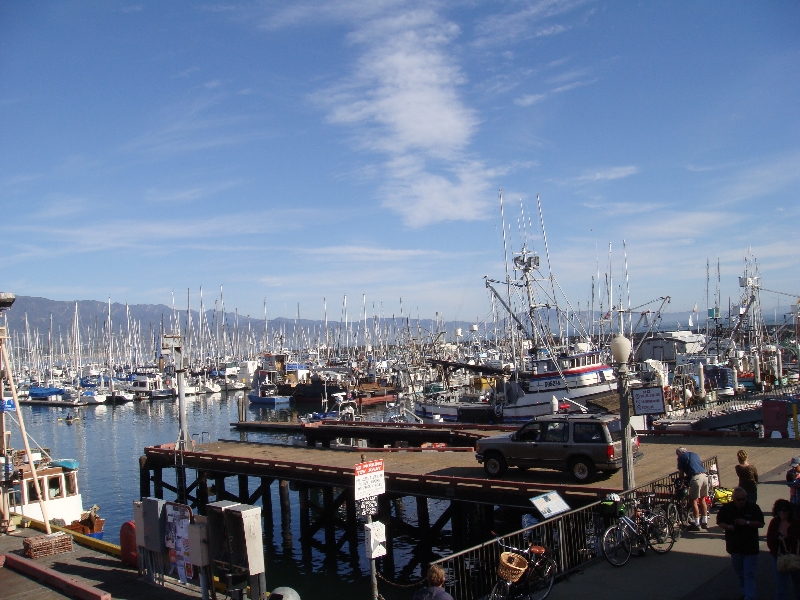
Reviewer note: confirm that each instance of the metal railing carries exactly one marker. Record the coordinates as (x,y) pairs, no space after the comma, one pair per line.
(573,539)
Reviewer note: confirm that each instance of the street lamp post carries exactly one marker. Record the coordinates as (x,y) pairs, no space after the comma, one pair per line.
(621,352)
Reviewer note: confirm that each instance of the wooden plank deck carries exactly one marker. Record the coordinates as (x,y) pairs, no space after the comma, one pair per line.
(457,475)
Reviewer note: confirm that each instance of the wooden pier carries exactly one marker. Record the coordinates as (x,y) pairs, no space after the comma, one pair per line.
(378,435)
(435,498)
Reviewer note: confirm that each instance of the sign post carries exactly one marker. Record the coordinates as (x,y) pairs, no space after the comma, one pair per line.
(370,482)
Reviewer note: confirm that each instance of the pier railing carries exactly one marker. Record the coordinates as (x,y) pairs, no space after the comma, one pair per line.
(573,539)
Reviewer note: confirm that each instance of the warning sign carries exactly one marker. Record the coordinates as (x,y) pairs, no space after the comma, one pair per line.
(370,480)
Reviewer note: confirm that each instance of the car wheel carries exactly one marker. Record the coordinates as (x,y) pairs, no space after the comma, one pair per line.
(494,464)
(582,469)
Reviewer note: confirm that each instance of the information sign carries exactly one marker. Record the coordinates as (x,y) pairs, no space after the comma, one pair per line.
(550,504)
(648,401)
(370,479)
(367,506)
(177,539)
(7,405)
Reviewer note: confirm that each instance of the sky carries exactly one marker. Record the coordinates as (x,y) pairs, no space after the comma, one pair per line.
(295,152)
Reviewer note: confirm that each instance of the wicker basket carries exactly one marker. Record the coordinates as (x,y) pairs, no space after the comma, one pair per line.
(512,566)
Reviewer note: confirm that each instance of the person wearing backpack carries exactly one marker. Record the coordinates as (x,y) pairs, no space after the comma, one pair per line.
(434,589)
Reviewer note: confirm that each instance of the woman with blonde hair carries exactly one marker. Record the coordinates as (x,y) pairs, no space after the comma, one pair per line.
(748,476)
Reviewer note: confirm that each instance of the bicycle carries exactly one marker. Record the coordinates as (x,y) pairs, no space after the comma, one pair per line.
(677,507)
(524,574)
(649,530)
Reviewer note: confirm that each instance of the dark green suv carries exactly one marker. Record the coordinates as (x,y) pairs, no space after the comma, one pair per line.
(581,444)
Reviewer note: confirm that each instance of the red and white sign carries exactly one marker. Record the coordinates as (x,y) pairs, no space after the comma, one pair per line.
(370,480)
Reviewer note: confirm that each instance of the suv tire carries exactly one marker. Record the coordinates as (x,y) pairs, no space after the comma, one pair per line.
(494,464)
(582,469)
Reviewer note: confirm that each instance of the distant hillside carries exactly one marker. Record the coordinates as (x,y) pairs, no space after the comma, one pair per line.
(92,313)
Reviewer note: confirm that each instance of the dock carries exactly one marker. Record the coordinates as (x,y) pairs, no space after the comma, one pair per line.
(379,434)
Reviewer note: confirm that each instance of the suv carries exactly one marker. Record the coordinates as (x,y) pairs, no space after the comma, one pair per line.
(579,443)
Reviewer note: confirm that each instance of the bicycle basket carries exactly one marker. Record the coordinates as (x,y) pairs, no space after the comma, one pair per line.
(512,566)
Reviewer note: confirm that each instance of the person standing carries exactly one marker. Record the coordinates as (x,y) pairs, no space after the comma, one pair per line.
(435,586)
(741,521)
(793,481)
(783,535)
(748,476)
(691,468)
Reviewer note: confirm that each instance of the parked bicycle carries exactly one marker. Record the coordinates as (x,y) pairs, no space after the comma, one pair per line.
(677,507)
(648,530)
(524,574)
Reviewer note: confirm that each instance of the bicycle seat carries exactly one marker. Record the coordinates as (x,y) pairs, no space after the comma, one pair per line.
(538,550)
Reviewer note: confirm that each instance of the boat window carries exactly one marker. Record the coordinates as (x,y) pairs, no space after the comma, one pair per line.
(54,487)
(15,495)
(72,483)
(31,491)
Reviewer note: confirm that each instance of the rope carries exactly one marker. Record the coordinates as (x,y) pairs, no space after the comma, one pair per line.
(399,585)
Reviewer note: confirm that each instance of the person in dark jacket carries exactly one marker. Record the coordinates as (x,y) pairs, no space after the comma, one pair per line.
(783,535)
(741,521)
(434,589)
(748,476)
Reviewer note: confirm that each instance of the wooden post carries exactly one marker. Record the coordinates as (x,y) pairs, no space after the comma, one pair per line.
(158,483)
(39,491)
(144,478)
(219,486)
(330,522)
(385,514)
(286,514)
(202,491)
(244,489)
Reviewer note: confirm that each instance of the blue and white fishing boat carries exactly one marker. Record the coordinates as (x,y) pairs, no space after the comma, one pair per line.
(543,366)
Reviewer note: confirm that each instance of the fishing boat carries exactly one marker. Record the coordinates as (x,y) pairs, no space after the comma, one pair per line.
(543,365)
(58,480)
(266,394)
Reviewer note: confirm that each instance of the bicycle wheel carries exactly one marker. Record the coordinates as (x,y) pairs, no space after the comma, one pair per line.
(499,591)
(659,534)
(617,544)
(675,519)
(539,582)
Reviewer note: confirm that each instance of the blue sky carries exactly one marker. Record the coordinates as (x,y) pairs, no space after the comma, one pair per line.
(295,151)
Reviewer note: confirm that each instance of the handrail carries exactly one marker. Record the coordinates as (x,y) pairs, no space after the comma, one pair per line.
(573,539)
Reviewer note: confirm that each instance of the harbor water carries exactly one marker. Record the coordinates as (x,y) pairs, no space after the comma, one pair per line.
(108,440)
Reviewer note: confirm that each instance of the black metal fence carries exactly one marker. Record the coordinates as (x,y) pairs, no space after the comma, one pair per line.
(573,539)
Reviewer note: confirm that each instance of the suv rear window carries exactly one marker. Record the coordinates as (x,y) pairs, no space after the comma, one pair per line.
(615,429)
(588,433)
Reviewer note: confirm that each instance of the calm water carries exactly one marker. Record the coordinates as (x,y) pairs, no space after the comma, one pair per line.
(108,440)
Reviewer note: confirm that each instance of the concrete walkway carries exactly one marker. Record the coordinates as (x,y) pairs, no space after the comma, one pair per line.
(697,568)
(86,566)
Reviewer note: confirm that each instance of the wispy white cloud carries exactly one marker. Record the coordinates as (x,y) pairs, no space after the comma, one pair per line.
(528,99)
(764,179)
(515,24)
(188,194)
(402,100)
(609,174)
(214,83)
(186,73)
